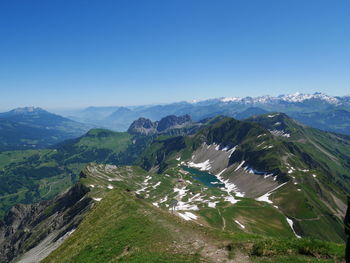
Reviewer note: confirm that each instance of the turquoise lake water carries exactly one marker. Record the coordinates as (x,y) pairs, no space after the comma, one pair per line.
(204,177)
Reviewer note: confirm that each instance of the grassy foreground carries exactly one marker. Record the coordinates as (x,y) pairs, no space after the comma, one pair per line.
(123,228)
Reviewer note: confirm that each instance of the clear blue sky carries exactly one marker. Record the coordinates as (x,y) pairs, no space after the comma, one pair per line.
(70,53)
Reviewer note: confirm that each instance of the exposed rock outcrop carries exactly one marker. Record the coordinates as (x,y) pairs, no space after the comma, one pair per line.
(165,125)
(26,226)
(143,126)
(173,122)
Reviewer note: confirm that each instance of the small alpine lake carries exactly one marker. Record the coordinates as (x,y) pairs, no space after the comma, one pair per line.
(204,177)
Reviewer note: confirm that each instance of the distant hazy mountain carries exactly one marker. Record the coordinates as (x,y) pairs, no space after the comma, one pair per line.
(298,105)
(167,124)
(335,120)
(253,111)
(30,128)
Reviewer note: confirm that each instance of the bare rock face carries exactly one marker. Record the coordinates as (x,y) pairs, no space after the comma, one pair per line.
(147,127)
(172,121)
(25,226)
(143,126)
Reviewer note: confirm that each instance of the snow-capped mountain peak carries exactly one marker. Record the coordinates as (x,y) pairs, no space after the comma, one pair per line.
(291,98)
(231,99)
(300,97)
(25,110)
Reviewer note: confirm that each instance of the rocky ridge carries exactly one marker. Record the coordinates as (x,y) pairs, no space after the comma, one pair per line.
(27,226)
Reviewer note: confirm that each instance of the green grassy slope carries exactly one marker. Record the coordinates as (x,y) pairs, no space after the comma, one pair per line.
(129,231)
(314,163)
(34,175)
(30,176)
(126,227)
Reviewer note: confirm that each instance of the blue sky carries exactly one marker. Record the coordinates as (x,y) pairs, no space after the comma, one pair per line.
(78,53)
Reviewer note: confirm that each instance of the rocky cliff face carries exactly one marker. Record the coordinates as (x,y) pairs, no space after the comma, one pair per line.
(173,121)
(147,127)
(143,126)
(27,226)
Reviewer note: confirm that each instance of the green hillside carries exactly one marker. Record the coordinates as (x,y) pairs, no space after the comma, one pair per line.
(312,164)
(35,128)
(33,175)
(134,229)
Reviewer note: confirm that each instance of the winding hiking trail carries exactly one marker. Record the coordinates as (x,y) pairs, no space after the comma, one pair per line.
(223,220)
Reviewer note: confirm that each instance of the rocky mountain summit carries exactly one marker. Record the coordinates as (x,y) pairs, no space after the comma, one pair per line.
(146,126)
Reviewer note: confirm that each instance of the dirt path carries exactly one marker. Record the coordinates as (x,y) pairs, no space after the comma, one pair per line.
(308,219)
(223,220)
(190,239)
(14,194)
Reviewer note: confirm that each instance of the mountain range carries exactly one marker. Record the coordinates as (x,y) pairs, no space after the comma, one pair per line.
(32,128)
(329,113)
(265,189)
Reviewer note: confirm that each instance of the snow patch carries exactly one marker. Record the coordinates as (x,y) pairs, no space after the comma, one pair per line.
(145,184)
(212,204)
(185,206)
(265,197)
(188,216)
(231,99)
(239,166)
(290,222)
(181,192)
(238,223)
(231,199)
(229,187)
(204,166)
(279,133)
(163,199)
(260,144)
(155,186)
(231,151)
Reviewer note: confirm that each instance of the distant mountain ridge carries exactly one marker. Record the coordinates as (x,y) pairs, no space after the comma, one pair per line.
(31,128)
(171,122)
(291,98)
(299,105)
